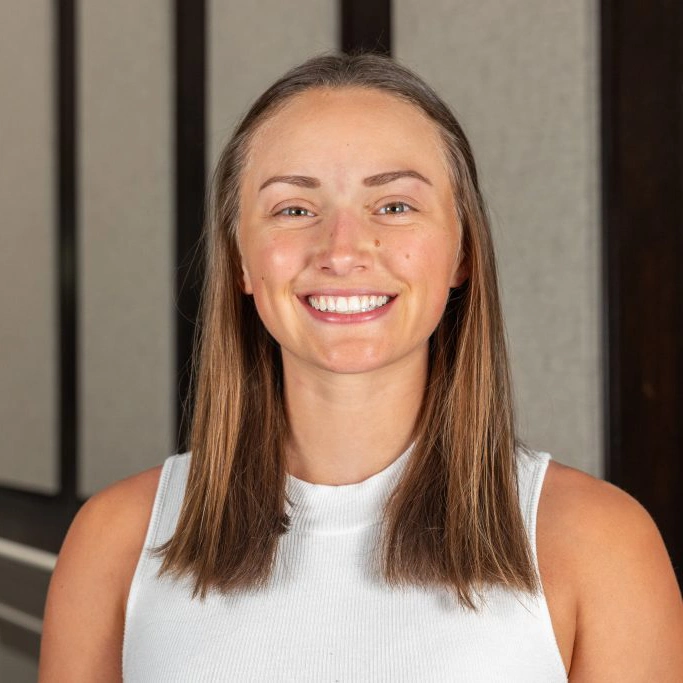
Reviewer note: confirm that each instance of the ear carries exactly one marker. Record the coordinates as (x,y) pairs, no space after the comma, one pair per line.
(460,273)
(247,287)
(238,257)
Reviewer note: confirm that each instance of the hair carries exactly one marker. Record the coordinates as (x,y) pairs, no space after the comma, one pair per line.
(454,518)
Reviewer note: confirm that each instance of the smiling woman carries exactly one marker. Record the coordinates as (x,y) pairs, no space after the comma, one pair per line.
(356,505)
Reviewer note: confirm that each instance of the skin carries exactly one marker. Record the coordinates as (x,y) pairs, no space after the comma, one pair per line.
(352,393)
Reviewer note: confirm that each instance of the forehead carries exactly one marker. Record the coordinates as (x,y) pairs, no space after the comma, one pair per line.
(358,127)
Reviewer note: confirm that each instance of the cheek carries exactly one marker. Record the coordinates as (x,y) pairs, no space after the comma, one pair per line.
(424,260)
(428,266)
(272,263)
(272,268)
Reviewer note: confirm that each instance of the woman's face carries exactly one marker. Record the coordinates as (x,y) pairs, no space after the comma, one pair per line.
(349,234)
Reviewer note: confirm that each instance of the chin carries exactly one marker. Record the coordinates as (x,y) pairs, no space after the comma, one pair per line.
(353,361)
(351,367)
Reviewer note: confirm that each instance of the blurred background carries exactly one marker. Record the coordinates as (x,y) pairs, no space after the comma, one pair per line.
(112,115)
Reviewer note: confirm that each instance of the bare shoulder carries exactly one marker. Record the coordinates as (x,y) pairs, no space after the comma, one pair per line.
(114,521)
(586,515)
(85,607)
(604,557)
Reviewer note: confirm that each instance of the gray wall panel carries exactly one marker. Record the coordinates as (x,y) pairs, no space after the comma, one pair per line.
(523,78)
(253,43)
(28,278)
(126,235)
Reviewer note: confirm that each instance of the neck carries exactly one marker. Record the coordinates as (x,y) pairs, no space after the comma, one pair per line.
(345,428)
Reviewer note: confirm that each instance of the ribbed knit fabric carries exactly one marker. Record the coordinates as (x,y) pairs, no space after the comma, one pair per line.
(326,616)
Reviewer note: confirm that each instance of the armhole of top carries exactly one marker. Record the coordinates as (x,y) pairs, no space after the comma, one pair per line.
(150,537)
(536,466)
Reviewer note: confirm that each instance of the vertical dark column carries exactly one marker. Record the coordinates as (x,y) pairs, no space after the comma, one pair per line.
(642,145)
(67,251)
(190,98)
(366,25)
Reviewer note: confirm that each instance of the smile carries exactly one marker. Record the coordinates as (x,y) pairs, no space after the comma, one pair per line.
(348,304)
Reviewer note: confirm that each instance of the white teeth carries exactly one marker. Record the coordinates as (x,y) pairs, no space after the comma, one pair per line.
(350,304)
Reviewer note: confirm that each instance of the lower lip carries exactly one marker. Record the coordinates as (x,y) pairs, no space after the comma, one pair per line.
(346,318)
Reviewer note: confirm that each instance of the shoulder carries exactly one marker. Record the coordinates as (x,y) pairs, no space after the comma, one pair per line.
(587,514)
(601,549)
(114,521)
(88,590)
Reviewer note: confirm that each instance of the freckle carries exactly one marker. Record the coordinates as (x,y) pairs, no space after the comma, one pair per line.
(407,255)
(263,277)
(377,243)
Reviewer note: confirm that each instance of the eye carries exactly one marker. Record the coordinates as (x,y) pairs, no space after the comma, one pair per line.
(295,212)
(395,209)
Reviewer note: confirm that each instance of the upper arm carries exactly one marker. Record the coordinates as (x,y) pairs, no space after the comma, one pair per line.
(85,608)
(629,611)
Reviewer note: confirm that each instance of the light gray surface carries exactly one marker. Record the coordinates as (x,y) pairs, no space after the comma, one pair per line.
(126,236)
(28,278)
(16,666)
(24,577)
(523,80)
(253,43)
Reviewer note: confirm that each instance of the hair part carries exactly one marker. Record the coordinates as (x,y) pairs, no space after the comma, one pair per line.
(454,519)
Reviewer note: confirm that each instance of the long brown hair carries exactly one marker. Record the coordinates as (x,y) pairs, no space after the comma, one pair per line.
(454,518)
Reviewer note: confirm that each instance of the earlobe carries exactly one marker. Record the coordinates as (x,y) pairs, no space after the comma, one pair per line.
(246,278)
(246,281)
(460,274)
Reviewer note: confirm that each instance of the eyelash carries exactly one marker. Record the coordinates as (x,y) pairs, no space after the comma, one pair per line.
(399,213)
(292,208)
(410,208)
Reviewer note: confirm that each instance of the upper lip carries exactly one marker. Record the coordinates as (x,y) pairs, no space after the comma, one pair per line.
(360,291)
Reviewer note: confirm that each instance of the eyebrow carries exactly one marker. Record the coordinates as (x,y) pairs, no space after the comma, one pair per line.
(390,176)
(300,180)
(372,181)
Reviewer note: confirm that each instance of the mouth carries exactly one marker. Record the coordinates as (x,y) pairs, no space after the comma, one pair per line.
(349,304)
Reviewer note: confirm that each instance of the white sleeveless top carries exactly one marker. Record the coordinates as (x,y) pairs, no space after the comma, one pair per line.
(325,617)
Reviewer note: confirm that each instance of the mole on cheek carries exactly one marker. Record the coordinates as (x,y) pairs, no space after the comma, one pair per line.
(407,256)
(377,243)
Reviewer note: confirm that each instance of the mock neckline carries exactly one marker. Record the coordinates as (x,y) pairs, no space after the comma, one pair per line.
(325,508)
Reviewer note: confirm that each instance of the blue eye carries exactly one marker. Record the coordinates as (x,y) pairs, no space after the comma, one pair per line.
(295,212)
(395,209)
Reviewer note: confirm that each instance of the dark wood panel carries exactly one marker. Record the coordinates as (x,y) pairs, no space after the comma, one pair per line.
(23,586)
(68,247)
(35,519)
(366,25)
(642,134)
(190,163)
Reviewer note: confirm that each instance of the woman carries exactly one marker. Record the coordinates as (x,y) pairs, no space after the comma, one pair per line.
(356,506)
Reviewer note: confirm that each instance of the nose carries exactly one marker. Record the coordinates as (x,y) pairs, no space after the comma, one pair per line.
(345,245)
